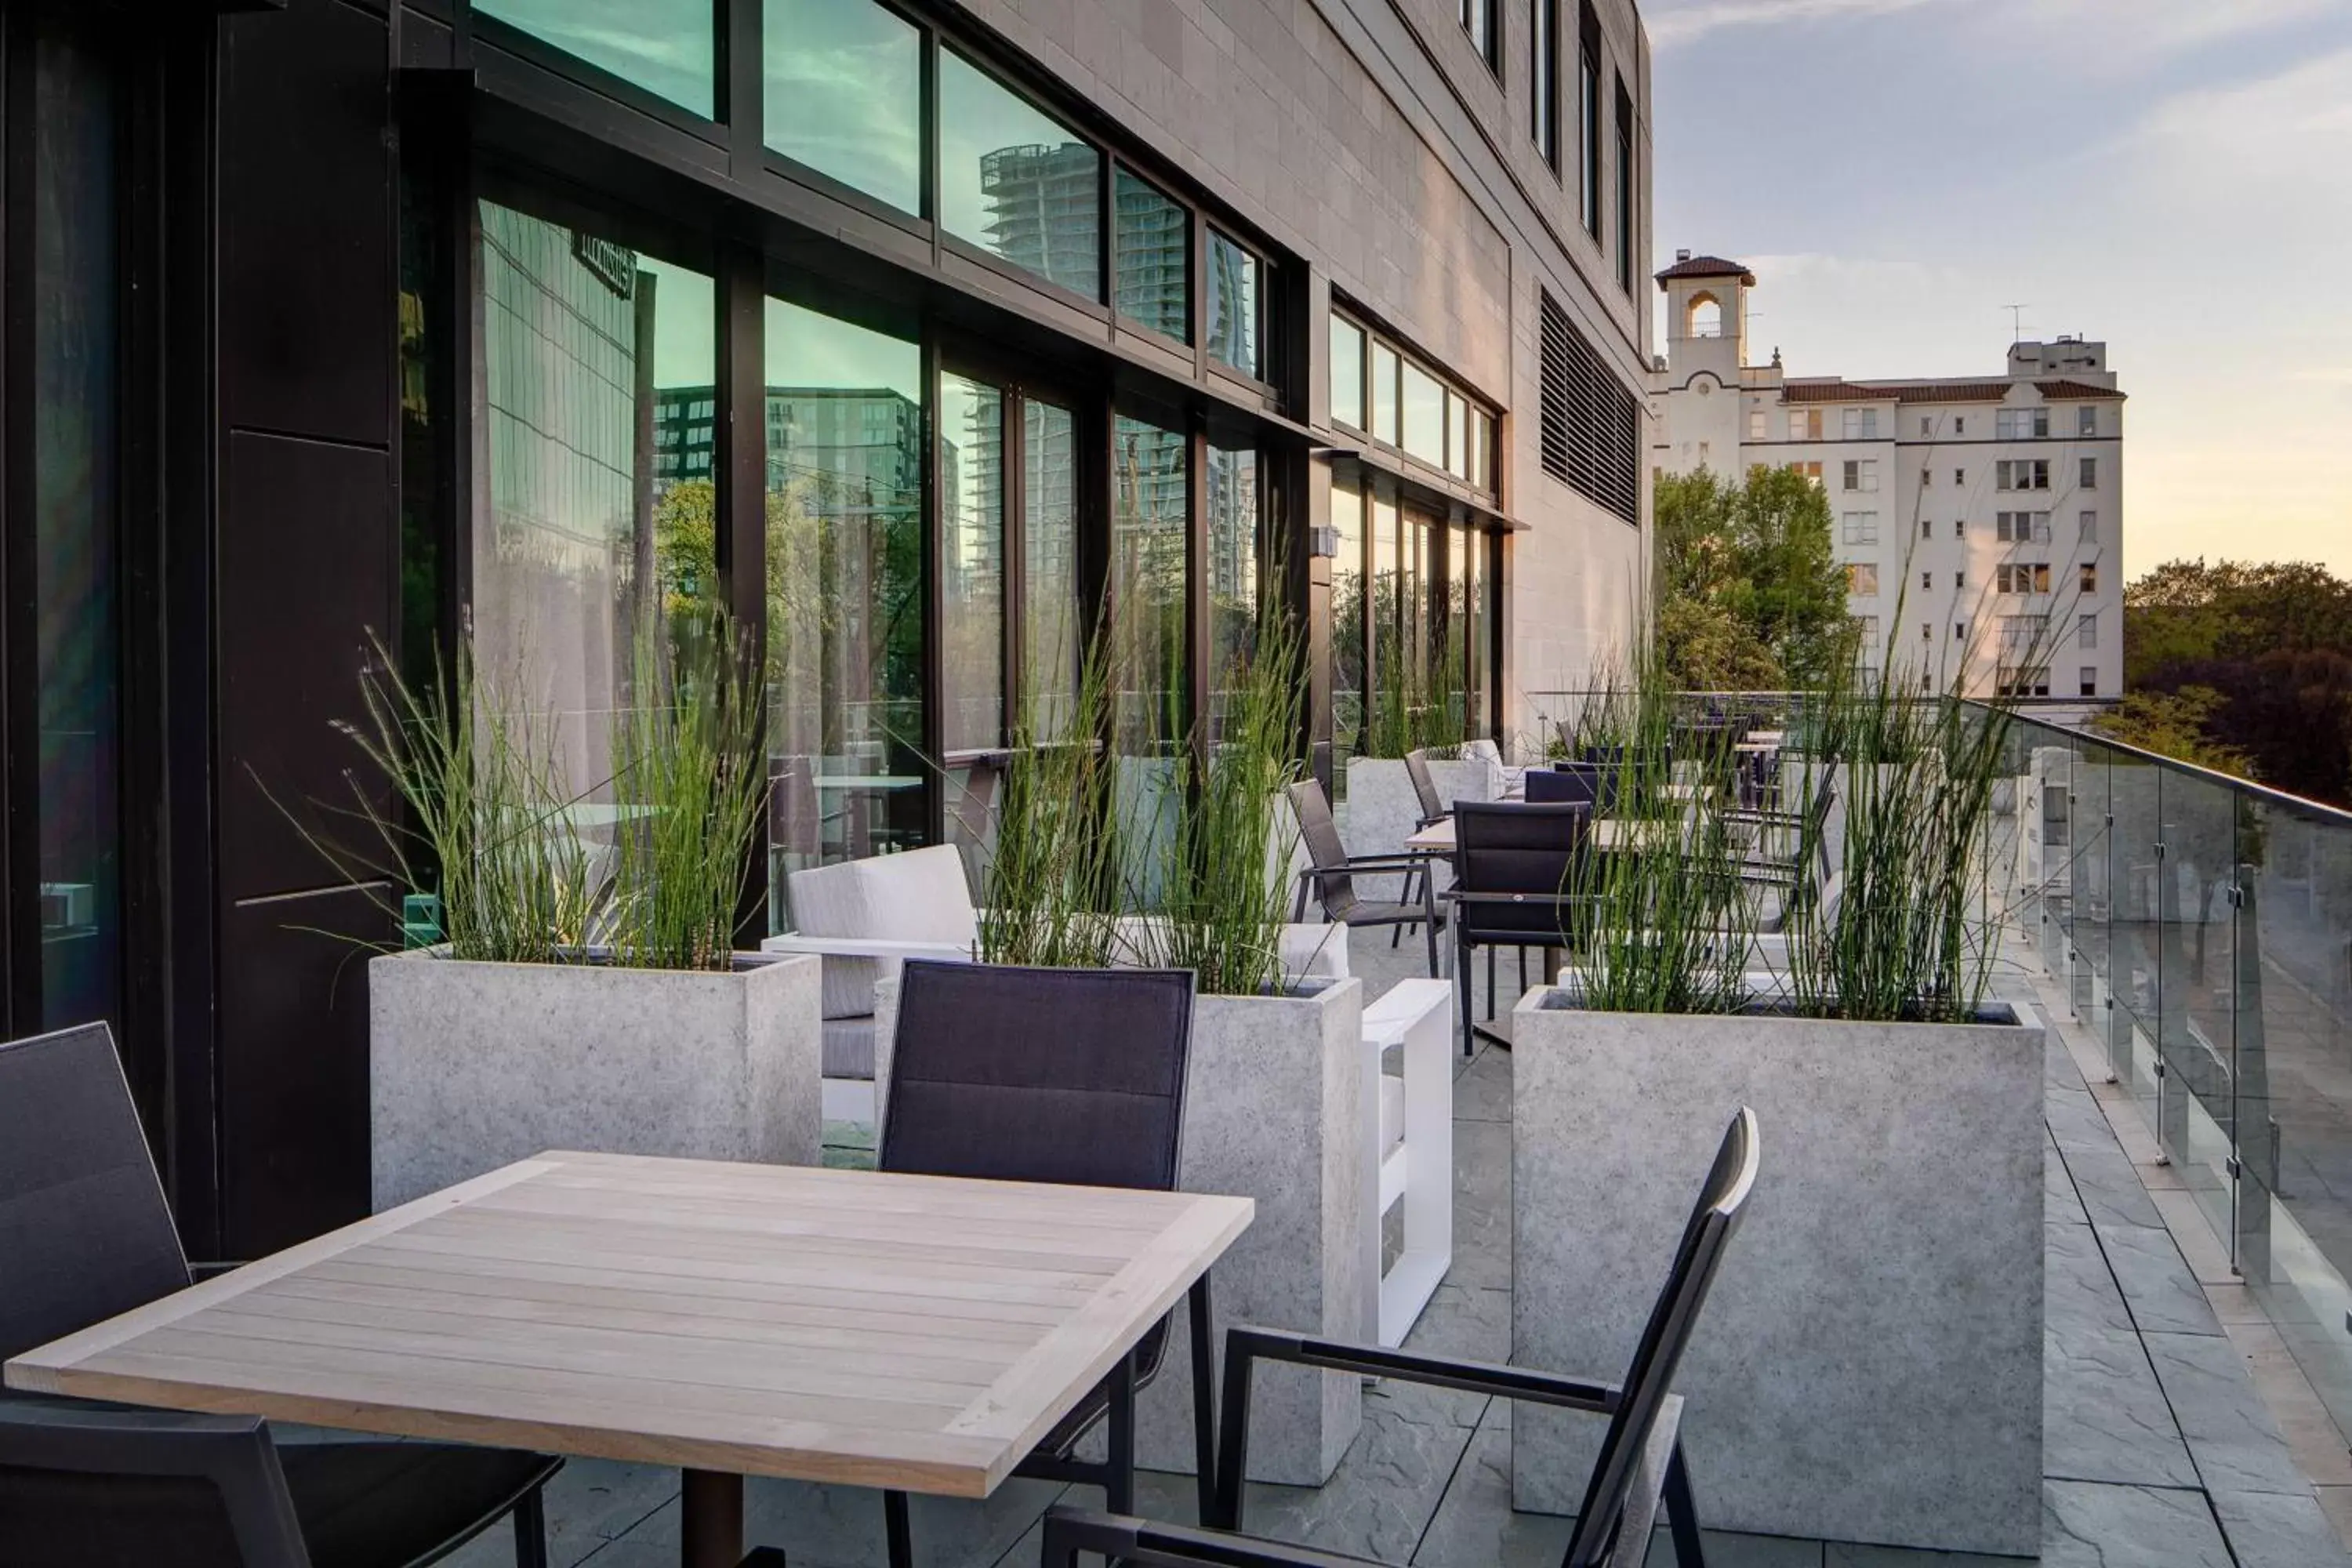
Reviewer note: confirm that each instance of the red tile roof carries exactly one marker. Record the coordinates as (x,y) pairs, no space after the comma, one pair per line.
(2057,390)
(1956,391)
(1834,392)
(1707,267)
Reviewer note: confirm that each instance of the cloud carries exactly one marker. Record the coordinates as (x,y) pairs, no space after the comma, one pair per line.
(1694,19)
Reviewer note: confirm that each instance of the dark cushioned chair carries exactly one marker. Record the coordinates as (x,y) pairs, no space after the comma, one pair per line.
(85,1234)
(1073,1076)
(1331,876)
(1513,869)
(1640,1468)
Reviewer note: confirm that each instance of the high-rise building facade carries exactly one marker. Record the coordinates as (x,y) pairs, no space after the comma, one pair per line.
(939,340)
(1980,518)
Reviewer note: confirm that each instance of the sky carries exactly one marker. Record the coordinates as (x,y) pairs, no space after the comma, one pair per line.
(2171,176)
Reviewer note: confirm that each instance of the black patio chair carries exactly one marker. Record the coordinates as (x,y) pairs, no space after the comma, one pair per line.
(1514,886)
(1809,823)
(1425,787)
(1639,1471)
(979,1089)
(1570,784)
(88,1485)
(1331,877)
(85,1234)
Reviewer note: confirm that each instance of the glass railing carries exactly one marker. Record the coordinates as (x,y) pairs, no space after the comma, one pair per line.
(2202,927)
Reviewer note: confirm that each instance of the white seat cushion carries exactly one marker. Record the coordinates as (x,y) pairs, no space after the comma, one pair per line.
(919,896)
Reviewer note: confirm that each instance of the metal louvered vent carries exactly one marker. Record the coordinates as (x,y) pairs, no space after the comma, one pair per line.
(1592,422)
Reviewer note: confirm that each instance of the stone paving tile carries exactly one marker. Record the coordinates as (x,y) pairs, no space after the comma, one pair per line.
(1460,1320)
(2078,1289)
(2278,1529)
(840,1527)
(1481,1204)
(2235,1445)
(2110,1186)
(1483,1093)
(589,1504)
(1851,1554)
(2163,1295)
(2076,1122)
(2087,1525)
(2104,1416)
(2061,1204)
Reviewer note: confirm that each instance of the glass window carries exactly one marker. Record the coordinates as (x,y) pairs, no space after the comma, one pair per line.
(76,335)
(1153,281)
(1347,627)
(666,46)
(843,94)
(1232,508)
(1052,627)
(1458,436)
(1861,580)
(1543,63)
(1384,392)
(972,564)
(1347,372)
(1016,182)
(1479,20)
(1424,415)
(1388,598)
(1588,91)
(1148,528)
(844,411)
(1232,304)
(1474,554)
(1626,174)
(583,344)
(2087,420)
(1482,448)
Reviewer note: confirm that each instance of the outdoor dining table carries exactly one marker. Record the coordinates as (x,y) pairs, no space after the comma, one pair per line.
(1607,833)
(913,1333)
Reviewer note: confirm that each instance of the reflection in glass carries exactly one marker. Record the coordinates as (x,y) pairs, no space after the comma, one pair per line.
(1384,392)
(843,94)
(1018,182)
(1424,415)
(1053,638)
(1232,305)
(1233,515)
(1346,628)
(1458,436)
(598,377)
(1154,239)
(1347,372)
(662,45)
(1147,513)
(77,620)
(845,592)
(1474,553)
(1386,651)
(972,564)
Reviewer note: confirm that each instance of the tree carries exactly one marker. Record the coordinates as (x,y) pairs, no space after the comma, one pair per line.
(2174,724)
(1748,592)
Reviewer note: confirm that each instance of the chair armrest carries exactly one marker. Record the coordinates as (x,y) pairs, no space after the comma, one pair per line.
(1363,865)
(1115,1538)
(1246,1346)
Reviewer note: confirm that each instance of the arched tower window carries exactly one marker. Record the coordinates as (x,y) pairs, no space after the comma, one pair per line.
(1703,317)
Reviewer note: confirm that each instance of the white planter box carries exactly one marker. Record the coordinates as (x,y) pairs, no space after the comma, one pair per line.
(1869,1366)
(474,1066)
(1279,1106)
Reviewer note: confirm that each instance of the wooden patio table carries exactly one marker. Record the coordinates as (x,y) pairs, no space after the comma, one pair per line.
(913,1333)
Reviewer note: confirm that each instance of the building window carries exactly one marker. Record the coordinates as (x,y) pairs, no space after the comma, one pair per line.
(1959,579)
(2022,474)
(1625,173)
(2090,473)
(2090,680)
(1153,274)
(1862,475)
(1861,527)
(2087,420)
(1150,504)
(2020,424)
(2022,527)
(1959,424)
(1705,453)
(1865,629)
(1812,470)
(2089,526)
(2086,631)
(1485,30)
(1385,366)
(1926,632)
(1959,476)
(1926,426)
(1590,421)
(830,64)
(1959,631)
(2021,578)
(1862,423)
(1862,579)
(1543,67)
(1927,581)
(1346,373)
(1015,182)
(1960,529)
(1232,509)
(668,48)
(1926,529)
(1804,425)
(2015,681)
(1235,301)
(1758,424)
(2090,577)
(1424,415)
(1587,116)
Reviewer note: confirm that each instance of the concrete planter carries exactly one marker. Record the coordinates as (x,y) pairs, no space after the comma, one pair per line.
(1869,1368)
(1382,810)
(474,1066)
(1276,1099)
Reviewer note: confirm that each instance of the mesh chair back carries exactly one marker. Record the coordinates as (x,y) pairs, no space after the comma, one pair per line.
(1424,786)
(1039,1075)
(1510,847)
(84,1230)
(109,1489)
(1320,834)
(1566,784)
(1659,1352)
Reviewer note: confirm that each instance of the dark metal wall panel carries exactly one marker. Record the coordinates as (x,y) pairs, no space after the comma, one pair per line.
(294,1077)
(305,222)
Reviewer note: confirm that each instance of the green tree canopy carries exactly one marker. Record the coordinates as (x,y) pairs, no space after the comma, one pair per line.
(1746,590)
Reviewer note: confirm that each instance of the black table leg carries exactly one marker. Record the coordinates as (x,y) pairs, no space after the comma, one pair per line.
(1118,1485)
(899,1528)
(1204,1396)
(710,1519)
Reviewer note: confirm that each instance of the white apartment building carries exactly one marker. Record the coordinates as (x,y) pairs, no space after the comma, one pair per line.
(1980,518)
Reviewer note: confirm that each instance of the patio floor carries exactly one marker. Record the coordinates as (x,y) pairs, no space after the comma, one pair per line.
(2159,1450)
